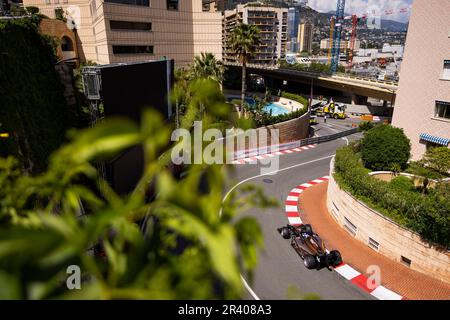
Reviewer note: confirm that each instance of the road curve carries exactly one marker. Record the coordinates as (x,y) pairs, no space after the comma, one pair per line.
(279,265)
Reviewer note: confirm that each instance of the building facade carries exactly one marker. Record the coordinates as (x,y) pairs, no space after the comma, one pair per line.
(114,31)
(292,27)
(422,106)
(272,23)
(305,37)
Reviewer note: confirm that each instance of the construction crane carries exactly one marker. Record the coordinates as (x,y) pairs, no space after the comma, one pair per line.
(355,20)
(336,51)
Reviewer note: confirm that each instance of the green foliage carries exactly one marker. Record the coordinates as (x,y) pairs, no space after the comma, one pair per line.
(438,159)
(17,9)
(402,183)
(206,66)
(312,67)
(33,109)
(244,40)
(32,10)
(419,169)
(262,117)
(295,97)
(189,250)
(60,14)
(366,126)
(426,214)
(385,146)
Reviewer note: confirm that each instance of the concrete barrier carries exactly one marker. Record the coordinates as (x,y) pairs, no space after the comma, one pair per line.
(384,235)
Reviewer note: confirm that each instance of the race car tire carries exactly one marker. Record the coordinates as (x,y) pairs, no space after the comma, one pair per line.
(310,262)
(336,116)
(334,258)
(286,233)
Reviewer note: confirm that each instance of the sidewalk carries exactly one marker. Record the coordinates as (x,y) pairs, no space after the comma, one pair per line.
(394,276)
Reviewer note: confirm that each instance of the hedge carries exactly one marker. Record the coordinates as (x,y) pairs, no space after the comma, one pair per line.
(426,214)
(295,97)
(32,105)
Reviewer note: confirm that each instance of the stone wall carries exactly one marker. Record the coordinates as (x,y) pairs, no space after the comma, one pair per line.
(284,132)
(385,236)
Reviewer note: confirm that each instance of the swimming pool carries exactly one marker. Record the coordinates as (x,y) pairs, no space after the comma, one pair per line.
(276,109)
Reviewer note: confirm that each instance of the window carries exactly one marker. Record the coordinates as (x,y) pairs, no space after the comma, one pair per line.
(442,110)
(130,25)
(66,44)
(373,244)
(172,4)
(133,49)
(446,72)
(131,2)
(350,226)
(405,261)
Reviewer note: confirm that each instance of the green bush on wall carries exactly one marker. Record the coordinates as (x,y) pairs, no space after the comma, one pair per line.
(385,147)
(426,214)
(32,105)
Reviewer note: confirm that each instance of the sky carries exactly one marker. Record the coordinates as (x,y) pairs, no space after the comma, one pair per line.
(363,6)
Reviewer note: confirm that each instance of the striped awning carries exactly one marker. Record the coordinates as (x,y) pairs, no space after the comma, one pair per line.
(434,139)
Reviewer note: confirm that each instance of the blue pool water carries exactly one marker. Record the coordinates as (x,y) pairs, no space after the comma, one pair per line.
(275,109)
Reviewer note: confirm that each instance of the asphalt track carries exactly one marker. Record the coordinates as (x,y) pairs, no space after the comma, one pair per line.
(279,267)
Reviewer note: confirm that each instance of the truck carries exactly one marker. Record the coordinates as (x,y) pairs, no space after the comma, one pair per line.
(330,109)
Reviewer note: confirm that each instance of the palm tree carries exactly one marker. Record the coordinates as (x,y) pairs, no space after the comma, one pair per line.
(206,66)
(243,41)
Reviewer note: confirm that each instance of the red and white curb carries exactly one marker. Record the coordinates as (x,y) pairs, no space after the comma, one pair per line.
(254,159)
(345,270)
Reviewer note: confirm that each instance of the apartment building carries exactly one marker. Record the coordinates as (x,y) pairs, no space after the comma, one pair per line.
(292,29)
(422,107)
(325,44)
(305,37)
(114,31)
(272,23)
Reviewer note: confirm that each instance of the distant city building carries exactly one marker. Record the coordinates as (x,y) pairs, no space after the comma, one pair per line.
(292,27)
(325,44)
(422,106)
(113,31)
(272,23)
(305,37)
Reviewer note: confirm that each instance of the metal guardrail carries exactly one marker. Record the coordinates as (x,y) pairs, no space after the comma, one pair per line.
(291,145)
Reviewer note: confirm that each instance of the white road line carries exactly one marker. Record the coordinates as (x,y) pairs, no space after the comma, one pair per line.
(249,289)
(292,198)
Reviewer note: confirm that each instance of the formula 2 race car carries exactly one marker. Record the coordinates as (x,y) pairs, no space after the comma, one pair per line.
(310,247)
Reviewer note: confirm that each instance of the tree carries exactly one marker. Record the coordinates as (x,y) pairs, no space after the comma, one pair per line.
(438,159)
(32,10)
(33,109)
(193,246)
(206,66)
(244,40)
(385,147)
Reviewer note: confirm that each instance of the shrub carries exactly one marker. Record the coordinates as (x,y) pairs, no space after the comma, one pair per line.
(402,183)
(428,215)
(366,126)
(295,97)
(385,146)
(32,10)
(438,159)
